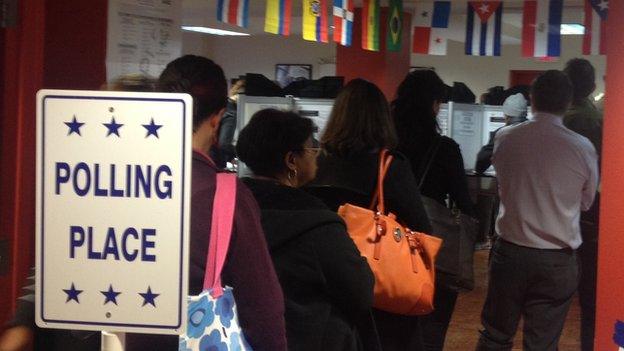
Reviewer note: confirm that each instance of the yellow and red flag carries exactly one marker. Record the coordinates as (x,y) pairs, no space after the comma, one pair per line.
(315,20)
(370,25)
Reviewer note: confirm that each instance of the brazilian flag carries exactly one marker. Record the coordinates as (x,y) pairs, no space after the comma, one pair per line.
(395,25)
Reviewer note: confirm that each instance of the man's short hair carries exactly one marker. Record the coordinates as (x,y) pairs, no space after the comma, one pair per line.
(200,77)
(583,77)
(551,92)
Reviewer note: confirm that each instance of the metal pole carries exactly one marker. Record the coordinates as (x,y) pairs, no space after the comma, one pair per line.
(113,341)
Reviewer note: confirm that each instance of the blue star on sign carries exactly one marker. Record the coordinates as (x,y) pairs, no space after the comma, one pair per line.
(149,297)
(152,128)
(113,127)
(74,126)
(72,293)
(111,295)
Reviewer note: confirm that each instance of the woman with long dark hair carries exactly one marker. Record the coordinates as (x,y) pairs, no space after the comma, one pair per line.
(359,127)
(414,112)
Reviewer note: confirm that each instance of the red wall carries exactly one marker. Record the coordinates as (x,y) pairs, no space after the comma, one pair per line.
(56,44)
(611,246)
(384,68)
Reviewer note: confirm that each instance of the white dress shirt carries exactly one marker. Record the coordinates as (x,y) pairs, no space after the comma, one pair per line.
(546,174)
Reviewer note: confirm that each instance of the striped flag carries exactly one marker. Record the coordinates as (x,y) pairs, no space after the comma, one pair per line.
(278,17)
(370,25)
(395,25)
(315,20)
(431,21)
(541,28)
(343,21)
(484,28)
(233,12)
(595,39)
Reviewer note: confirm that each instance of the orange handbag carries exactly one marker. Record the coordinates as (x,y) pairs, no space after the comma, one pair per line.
(402,260)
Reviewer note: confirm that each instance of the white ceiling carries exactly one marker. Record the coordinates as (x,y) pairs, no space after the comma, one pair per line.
(203,13)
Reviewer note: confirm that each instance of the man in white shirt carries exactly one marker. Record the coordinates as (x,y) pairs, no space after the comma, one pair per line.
(547,174)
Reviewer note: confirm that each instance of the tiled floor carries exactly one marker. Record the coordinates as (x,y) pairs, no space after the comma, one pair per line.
(463,331)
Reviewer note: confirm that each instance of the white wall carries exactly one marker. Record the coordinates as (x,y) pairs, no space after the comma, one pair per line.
(259,54)
(481,73)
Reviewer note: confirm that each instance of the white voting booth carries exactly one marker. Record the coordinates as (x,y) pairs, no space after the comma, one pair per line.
(113,205)
(470,125)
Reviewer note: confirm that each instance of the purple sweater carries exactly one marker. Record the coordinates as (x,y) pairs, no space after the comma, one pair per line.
(248,267)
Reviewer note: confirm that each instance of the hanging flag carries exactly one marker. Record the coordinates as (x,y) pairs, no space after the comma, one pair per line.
(343,21)
(595,38)
(278,17)
(315,20)
(541,28)
(395,25)
(233,12)
(370,25)
(431,21)
(484,28)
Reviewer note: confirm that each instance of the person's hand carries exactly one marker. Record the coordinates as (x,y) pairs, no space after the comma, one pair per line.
(16,339)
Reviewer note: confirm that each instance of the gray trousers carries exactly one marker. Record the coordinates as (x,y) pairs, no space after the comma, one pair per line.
(537,285)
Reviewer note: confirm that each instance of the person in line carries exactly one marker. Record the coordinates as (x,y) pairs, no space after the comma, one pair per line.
(328,286)
(547,174)
(584,118)
(225,151)
(248,268)
(515,111)
(359,127)
(415,111)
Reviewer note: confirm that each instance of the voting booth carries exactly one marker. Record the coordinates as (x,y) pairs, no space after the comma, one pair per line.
(113,206)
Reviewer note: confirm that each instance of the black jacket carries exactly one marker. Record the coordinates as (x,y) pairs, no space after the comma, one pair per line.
(446,178)
(328,286)
(353,179)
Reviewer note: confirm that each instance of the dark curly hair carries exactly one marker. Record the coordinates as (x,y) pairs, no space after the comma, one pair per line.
(583,77)
(271,134)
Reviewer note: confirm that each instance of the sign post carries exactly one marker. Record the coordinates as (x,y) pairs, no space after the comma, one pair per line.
(113,195)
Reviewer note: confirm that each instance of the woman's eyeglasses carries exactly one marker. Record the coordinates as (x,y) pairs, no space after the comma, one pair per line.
(313,150)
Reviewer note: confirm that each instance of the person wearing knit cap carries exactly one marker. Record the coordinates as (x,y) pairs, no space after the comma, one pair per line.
(515,110)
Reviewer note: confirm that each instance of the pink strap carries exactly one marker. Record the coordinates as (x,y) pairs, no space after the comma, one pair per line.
(220,232)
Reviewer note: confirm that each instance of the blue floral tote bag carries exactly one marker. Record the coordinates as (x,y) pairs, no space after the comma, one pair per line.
(212,315)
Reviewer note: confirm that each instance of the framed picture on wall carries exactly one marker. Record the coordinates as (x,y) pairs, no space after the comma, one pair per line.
(286,73)
(418,68)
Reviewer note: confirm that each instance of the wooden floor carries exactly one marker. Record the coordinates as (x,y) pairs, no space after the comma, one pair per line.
(463,331)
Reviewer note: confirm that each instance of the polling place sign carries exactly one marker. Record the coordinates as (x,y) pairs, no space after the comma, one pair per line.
(113,191)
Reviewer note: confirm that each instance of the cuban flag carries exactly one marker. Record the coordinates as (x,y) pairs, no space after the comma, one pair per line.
(594,41)
(234,12)
(343,21)
(431,21)
(541,28)
(484,28)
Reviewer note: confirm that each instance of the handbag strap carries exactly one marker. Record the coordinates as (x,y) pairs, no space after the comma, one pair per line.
(220,232)
(385,159)
(433,149)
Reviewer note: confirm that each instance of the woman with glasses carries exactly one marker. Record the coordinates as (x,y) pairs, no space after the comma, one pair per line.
(328,286)
(359,127)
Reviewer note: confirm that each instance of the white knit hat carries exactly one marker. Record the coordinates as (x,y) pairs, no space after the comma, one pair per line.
(515,106)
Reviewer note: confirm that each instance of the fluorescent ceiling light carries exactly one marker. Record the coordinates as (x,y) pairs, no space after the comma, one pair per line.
(213,31)
(572,29)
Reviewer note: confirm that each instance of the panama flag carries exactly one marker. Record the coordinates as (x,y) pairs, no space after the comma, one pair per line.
(595,39)
(484,28)
(431,22)
(541,28)
(315,20)
(233,12)
(343,21)
(278,17)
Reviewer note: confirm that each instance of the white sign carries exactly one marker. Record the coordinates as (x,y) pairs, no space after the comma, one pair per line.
(143,36)
(113,187)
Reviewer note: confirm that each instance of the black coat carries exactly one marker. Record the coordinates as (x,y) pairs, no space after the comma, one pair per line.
(328,286)
(353,179)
